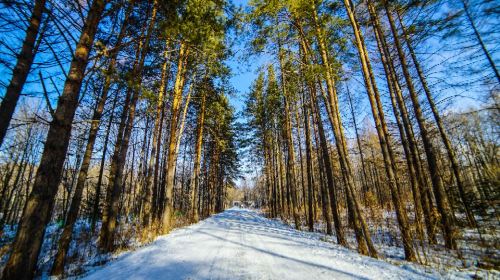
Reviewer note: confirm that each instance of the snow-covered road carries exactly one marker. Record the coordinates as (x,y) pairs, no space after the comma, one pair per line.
(241,244)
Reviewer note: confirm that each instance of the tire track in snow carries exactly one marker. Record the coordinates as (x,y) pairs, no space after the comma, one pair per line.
(242,244)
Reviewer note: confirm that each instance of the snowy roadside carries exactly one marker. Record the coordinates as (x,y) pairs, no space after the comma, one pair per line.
(242,244)
(435,259)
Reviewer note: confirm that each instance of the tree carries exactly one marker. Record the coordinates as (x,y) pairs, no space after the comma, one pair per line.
(22,68)
(36,215)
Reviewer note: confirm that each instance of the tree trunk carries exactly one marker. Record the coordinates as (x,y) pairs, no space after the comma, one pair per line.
(393,85)
(151,178)
(380,124)
(291,174)
(444,135)
(195,178)
(444,208)
(21,70)
(65,239)
(328,170)
(414,167)
(116,180)
(5,186)
(309,166)
(95,206)
(480,41)
(6,194)
(358,142)
(302,180)
(170,167)
(26,247)
(365,245)
(322,169)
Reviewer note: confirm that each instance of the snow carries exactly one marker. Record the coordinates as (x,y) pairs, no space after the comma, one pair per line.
(242,244)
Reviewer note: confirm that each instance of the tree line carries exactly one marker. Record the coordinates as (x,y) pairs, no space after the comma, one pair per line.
(142,136)
(436,172)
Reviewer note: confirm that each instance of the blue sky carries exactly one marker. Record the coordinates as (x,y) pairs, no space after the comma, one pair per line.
(243,72)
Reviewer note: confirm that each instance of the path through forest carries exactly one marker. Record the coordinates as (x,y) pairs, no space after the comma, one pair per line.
(242,244)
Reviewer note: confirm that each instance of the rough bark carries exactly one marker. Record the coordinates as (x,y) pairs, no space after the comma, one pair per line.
(291,174)
(97,198)
(365,245)
(444,135)
(21,70)
(309,166)
(26,247)
(195,177)
(382,132)
(115,184)
(447,217)
(172,143)
(151,179)
(393,85)
(65,239)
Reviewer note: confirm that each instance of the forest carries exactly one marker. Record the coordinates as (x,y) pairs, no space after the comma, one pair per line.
(373,123)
